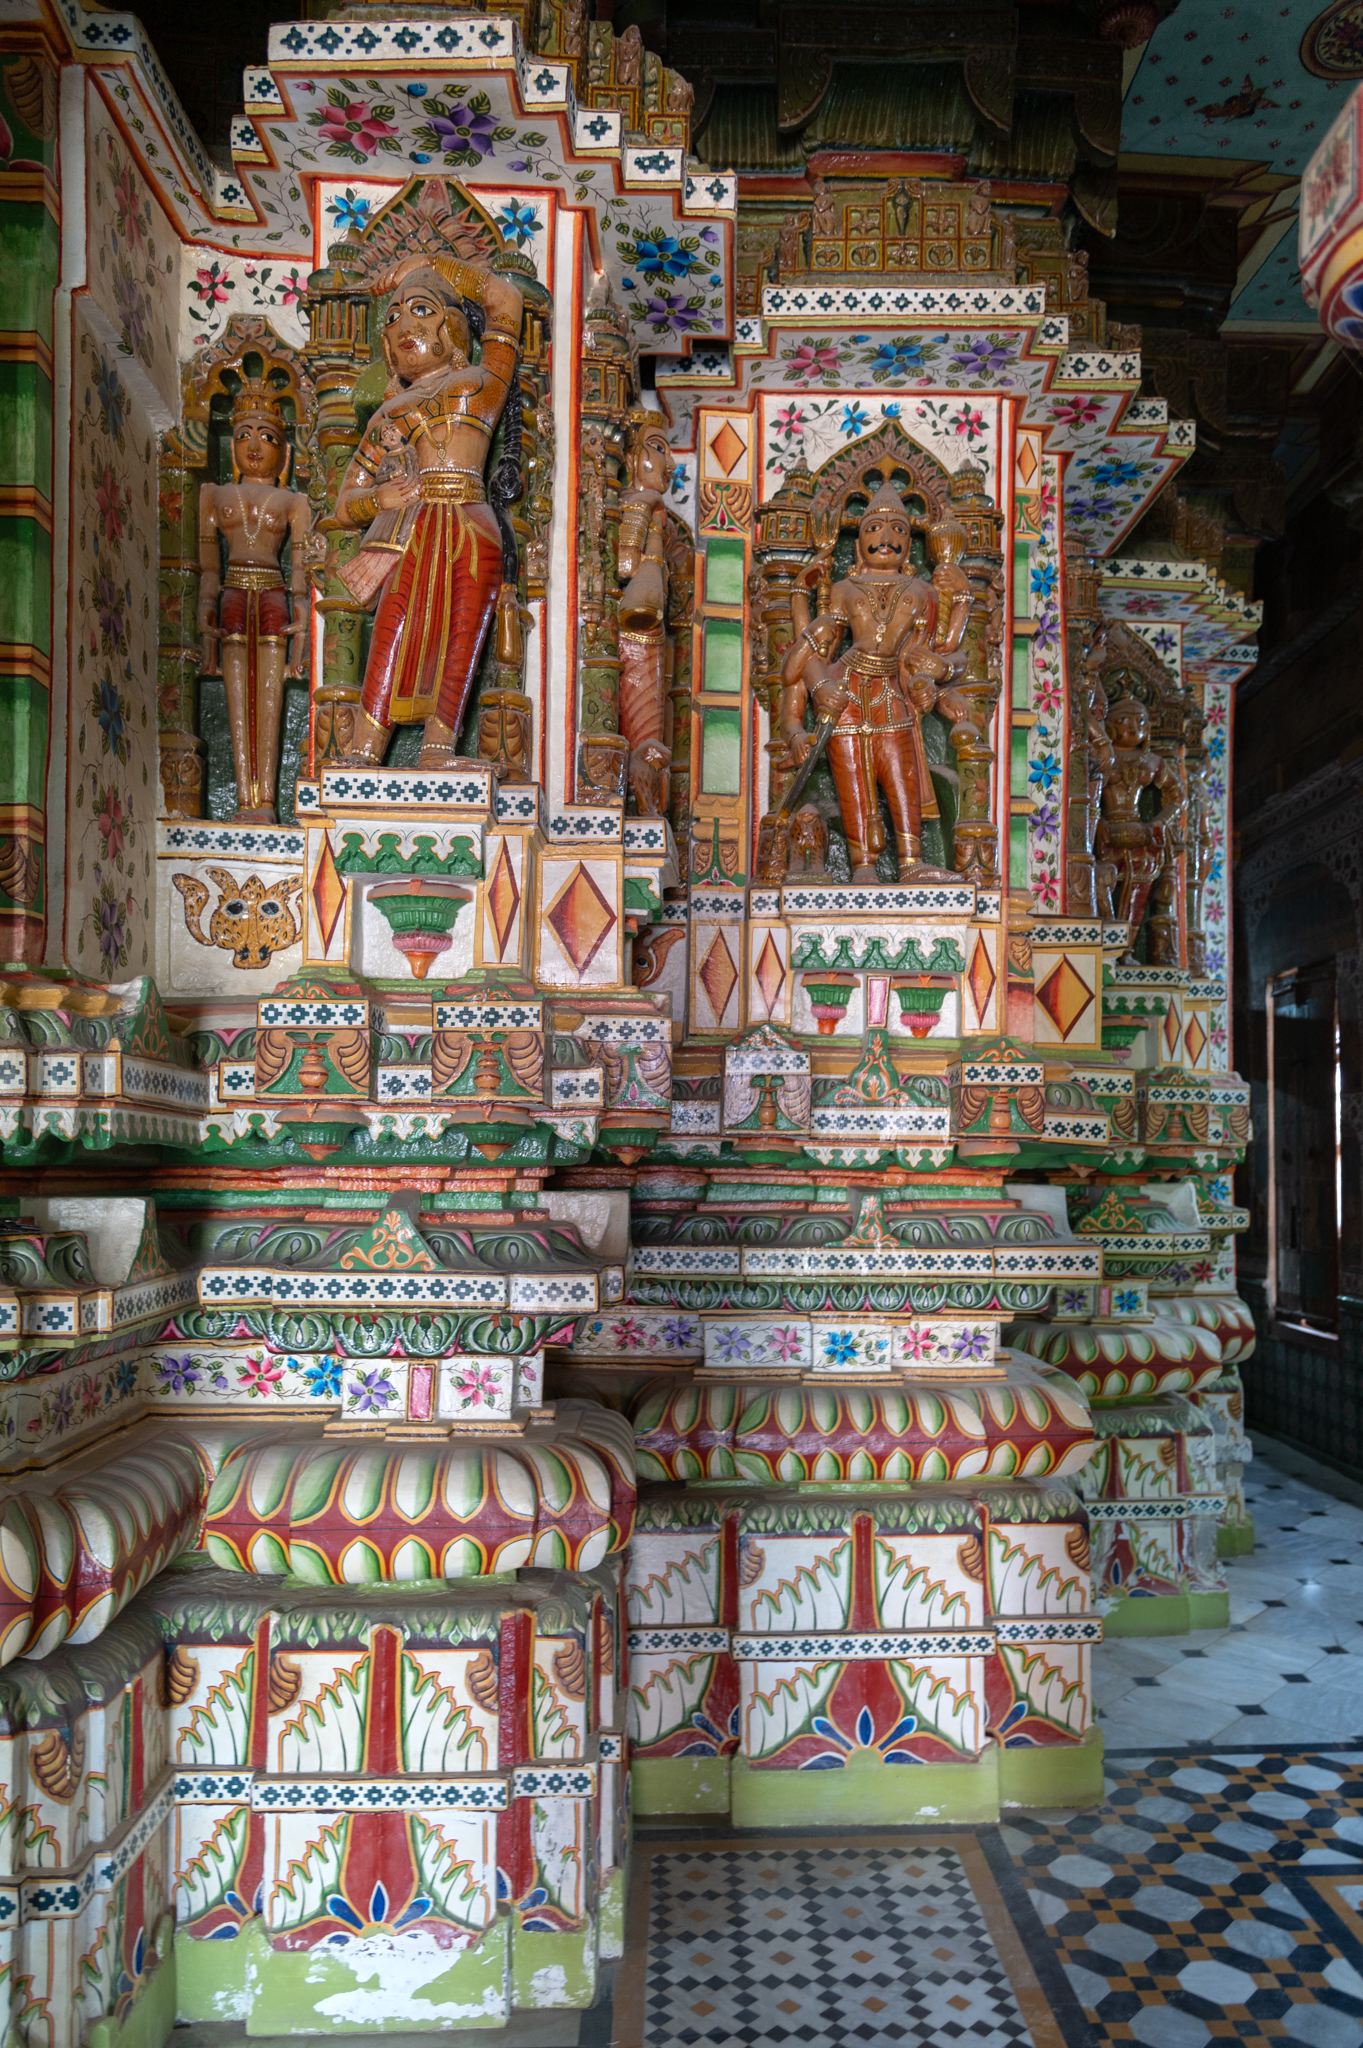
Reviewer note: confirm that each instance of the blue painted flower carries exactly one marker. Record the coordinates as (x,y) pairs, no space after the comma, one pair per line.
(1044,772)
(323,1377)
(519,223)
(111,714)
(1044,579)
(111,396)
(349,211)
(896,358)
(840,1347)
(1114,472)
(662,256)
(854,420)
(1126,1301)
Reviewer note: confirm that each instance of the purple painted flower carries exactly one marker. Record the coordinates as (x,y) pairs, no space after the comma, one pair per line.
(372,1392)
(177,1375)
(983,355)
(1046,820)
(668,313)
(461,129)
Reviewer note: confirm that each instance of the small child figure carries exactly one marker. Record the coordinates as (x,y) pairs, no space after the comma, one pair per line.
(387,533)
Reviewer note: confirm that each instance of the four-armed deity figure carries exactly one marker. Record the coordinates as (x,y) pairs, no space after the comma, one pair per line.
(904,636)
(449,564)
(248,636)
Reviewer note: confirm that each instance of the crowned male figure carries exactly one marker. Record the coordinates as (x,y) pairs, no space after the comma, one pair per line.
(876,692)
(450,566)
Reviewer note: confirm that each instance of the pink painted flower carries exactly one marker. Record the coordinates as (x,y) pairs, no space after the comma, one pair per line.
(257,1377)
(354,125)
(111,498)
(1046,889)
(1048,694)
(292,288)
(628,1333)
(111,822)
(129,217)
(812,359)
(1076,412)
(969,422)
(787,1343)
(477,1383)
(211,285)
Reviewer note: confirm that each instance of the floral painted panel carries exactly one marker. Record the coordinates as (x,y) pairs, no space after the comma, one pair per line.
(1218,699)
(134,257)
(953,429)
(113,791)
(1047,740)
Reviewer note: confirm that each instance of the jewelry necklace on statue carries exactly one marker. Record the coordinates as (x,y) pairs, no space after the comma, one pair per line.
(251,534)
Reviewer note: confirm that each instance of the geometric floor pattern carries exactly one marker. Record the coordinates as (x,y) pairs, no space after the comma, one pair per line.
(823,1943)
(1217,1894)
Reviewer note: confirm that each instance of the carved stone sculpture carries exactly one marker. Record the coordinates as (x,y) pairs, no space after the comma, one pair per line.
(876,694)
(436,600)
(826,219)
(249,637)
(643,606)
(1134,845)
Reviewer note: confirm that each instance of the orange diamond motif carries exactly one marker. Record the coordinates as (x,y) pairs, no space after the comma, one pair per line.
(769,973)
(728,448)
(980,977)
(1171,1029)
(580,919)
(328,894)
(1194,1038)
(718,976)
(1064,996)
(1026,461)
(503,898)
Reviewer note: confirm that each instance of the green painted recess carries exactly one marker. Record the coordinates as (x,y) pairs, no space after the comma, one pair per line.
(1022,673)
(1017,853)
(25,427)
(720,752)
(1018,761)
(724,572)
(23,741)
(25,584)
(1022,579)
(723,655)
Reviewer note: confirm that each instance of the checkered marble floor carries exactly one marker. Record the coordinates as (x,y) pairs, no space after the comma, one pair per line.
(816,1942)
(1290,1668)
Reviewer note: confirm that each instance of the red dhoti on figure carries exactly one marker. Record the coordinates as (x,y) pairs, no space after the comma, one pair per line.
(253,610)
(433,617)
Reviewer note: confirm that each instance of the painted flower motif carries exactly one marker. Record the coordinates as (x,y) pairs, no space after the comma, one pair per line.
(123,1379)
(519,224)
(1074,1300)
(177,1375)
(659,255)
(130,229)
(292,288)
(854,420)
(109,611)
(1044,772)
(63,1411)
(679,1333)
(477,1384)
(108,495)
(323,1377)
(970,424)
(629,1333)
(110,713)
(681,477)
(669,313)
(732,1344)
(349,211)
(1112,472)
(1046,889)
(259,1377)
(918,1343)
(897,359)
(818,359)
(1046,502)
(1047,694)
(1047,634)
(372,1392)
(1045,821)
(355,126)
(132,311)
(787,1343)
(111,822)
(1126,1301)
(211,285)
(111,396)
(790,421)
(970,1344)
(1044,580)
(984,355)
(840,1347)
(1076,412)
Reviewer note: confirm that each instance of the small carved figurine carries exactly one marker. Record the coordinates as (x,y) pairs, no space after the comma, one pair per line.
(809,840)
(437,601)
(877,692)
(643,605)
(978,209)
(946,545)
(629,57)
(574,27)
(681,94)
(1136,846)
(788,246)
(826,220)
(244,616)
